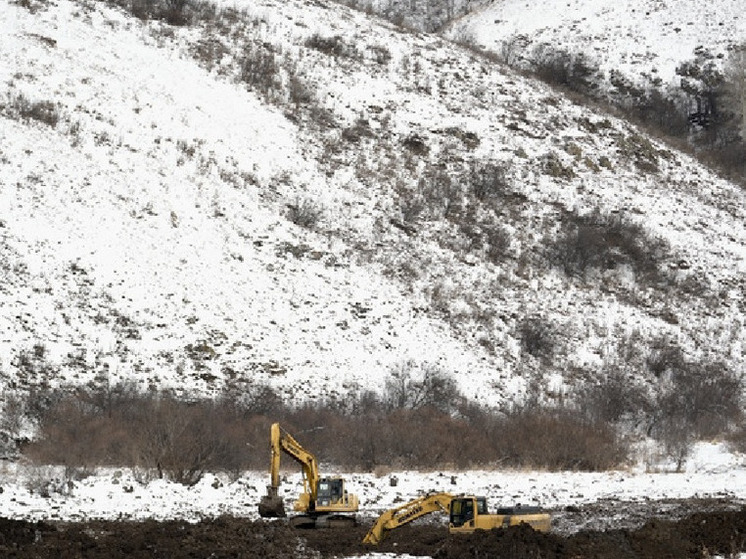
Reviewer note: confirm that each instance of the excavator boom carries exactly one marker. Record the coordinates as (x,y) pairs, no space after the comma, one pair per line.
(271,506)
(393,518)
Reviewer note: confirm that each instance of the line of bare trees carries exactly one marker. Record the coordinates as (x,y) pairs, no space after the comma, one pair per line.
(419,420)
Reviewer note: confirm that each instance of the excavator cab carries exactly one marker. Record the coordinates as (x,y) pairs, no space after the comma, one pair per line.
(330,492)
(462,510)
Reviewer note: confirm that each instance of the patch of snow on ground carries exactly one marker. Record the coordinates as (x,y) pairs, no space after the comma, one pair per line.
(125,494)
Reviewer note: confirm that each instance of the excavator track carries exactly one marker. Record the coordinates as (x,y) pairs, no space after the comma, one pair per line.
(322,521)
(336,521)
(303,522)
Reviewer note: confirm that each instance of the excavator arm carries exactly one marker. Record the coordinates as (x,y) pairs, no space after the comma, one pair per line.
(281,441)
(396,517)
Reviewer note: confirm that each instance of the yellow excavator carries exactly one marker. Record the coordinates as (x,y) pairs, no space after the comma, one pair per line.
(466,514)
(324,501)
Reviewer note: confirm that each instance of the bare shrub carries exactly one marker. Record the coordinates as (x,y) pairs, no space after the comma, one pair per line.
(414,386)
(33,363)
(209,52)
(598,241)
(575,72)
(74,434)
(305,213)
(260,68)
(429,436)
(411,207)
(381,54)
(700,79)
(614,398)
(498,243)
(735,87)
(47,481)
(418,420)
(255,399)
(416,144)
(179,441)
(737,438)
(141,9)
(665,356)
(173,12)
(557,439)
(32,6)
(20,107)
(471,231)
(441,193)
(360,129)
(693,401)
(487,181)
(299,92)
(642,152)
(118,426)
(401,438)
(654,108)
(332,46)
(552,165)
(677,439)
(13,424)
(512,49)
(108,398)
(703,397)
(727,133)
(537,337)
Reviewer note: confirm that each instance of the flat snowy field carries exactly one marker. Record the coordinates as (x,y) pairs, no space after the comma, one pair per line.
(112,494)
(50,494)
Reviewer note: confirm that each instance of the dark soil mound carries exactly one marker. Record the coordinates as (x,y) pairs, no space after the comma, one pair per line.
(700,534)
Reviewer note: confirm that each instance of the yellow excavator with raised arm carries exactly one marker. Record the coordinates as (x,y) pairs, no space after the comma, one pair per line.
(466,514)
(324,501)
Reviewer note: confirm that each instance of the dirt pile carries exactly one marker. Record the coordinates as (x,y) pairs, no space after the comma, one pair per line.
(219,538)
(698,535)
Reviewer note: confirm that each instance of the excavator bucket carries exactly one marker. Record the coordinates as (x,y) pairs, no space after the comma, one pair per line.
(271,506)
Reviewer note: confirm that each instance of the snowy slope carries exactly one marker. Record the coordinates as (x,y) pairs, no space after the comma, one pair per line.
(147,234)
(644,40)
(168,248)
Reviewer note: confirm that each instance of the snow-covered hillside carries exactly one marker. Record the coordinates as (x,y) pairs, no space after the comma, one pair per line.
(642,40)
(153,180)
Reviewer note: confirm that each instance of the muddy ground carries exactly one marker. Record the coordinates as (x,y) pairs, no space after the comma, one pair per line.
(604,530)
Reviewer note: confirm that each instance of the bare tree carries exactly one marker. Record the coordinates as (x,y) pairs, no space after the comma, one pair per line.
(735,86)
(415,386)
(695,401)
